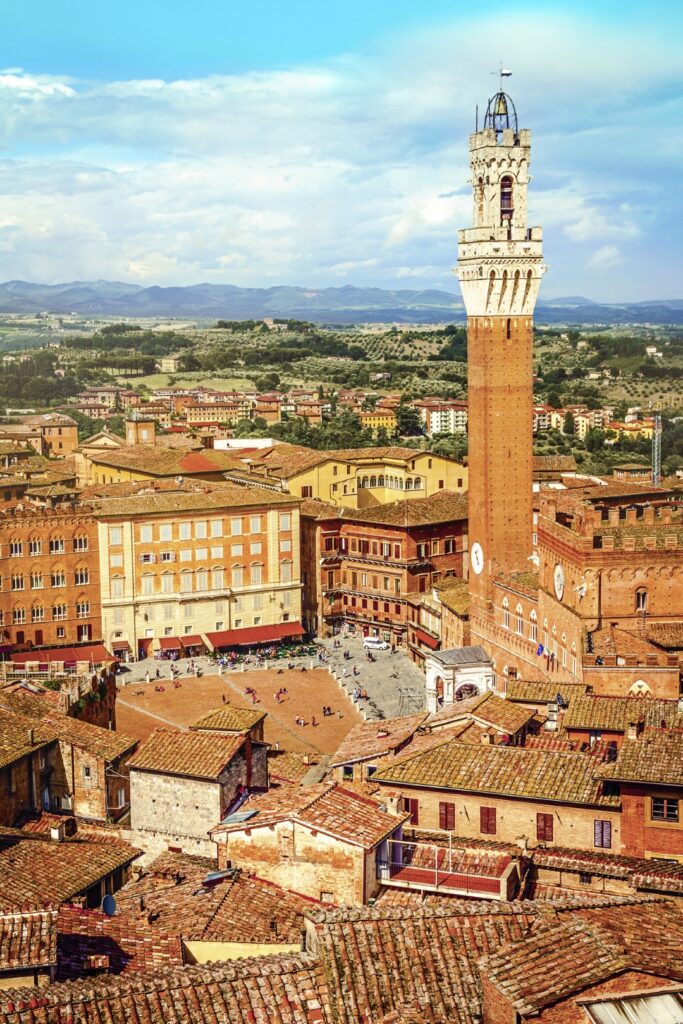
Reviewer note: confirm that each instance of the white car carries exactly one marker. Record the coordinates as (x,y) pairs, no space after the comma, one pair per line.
(373,643)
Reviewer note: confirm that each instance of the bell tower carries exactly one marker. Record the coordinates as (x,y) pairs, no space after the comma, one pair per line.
(500,265)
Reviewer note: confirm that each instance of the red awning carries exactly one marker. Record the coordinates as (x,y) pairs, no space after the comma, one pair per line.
(169,643)
(95,653)
(192,641)
(255,635)
(425,638)
(120,645)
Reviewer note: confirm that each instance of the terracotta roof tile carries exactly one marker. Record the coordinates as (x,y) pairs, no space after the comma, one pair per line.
(326,806)
(616,713)
(202,755)
(541,692)
(177,502)
(488,708)
(290,766)
(229,718)
(175,896)
(665,634)
(129,945)
(28,939)
(553,963)
(655,757)
(553,776)
(21,736)
(104,743)
(375,739)
(35,870)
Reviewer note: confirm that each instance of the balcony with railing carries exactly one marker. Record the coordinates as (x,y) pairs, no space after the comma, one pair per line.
(449,869)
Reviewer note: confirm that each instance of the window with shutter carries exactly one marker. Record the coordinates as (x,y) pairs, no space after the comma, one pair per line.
(544,828)
(487,820)
(447,816)
(602,834)
(411,805)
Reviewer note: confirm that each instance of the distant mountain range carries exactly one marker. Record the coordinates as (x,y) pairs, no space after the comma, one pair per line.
(343,305)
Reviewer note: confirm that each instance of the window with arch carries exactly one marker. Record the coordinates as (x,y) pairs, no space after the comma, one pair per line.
(237,575)
(520,620)
(285,572)
(35,546)
(417,483)
(37,613)
(217,578)
(573,663)
(564,651)
(373,481)
(506,613)
(380,480)
(80,542)
(81,575)
(506,200)
(59,611)
(641,599)
(18,615)
(257,572)
(533,627)
(409,484)
(57,545)
(36,580)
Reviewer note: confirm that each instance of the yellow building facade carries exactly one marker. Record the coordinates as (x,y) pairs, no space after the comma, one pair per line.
(187,563)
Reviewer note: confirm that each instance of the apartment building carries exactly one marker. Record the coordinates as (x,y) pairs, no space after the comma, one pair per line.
(368,568)
(181,567)
(442,417)
(50,593)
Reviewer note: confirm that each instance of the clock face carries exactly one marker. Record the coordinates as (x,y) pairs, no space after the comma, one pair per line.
(477,558)
(558,579)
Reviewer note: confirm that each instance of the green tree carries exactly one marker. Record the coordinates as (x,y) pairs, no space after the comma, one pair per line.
(569,426)
(408,423)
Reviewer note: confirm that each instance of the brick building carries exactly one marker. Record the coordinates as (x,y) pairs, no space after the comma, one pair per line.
(321,840)
(50,594)
(28,752)
(649,772)
(182,783)
(367,568)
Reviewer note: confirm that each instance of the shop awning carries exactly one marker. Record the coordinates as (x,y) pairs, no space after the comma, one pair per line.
(254,635)
(94,653)
(192,641)
(427,640)
(169,643)
(120,645)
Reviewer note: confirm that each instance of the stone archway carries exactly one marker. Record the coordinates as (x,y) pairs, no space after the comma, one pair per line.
(466,690)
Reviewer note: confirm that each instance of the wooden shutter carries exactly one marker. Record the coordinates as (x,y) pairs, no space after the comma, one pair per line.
(487,820)
(447,816)
(544,828)
(413,807)
(602,834)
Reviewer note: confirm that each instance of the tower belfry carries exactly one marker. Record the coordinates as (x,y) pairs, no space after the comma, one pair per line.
(500,265)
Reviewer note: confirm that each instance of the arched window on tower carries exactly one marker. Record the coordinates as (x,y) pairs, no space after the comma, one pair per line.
(520,620)
(533,628)
(506,613)
(506,207)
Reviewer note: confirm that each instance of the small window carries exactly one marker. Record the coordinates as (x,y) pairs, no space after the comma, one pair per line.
(664,809)
(146,534)
(641,600)
(285,522)
(585,878)
(447,816)
(487,820)
(602,834)
(544,828)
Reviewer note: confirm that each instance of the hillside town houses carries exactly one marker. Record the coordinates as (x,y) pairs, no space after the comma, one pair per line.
(507,848)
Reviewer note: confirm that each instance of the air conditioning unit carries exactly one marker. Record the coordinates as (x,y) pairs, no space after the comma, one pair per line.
(67,802)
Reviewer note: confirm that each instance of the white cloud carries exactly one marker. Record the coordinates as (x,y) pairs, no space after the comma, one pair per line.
(354,169)
(604,258)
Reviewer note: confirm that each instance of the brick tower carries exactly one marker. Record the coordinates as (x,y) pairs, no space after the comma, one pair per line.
(500,265)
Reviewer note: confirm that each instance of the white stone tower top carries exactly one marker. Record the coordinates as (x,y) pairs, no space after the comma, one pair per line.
(500,259)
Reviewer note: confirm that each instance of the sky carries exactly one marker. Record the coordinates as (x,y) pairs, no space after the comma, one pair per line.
(262,143)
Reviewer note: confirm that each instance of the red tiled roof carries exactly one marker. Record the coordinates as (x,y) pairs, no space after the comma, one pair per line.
(201,755)
(28,939)
(325,806)
(130,946)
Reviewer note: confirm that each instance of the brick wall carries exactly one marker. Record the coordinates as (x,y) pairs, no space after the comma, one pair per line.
(496,1008)
(639,835)
(19,788)
(173,807)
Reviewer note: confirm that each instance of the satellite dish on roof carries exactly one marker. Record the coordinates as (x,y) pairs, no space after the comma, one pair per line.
(108,905)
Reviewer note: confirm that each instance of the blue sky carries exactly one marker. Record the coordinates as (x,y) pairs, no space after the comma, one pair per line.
(302,143)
